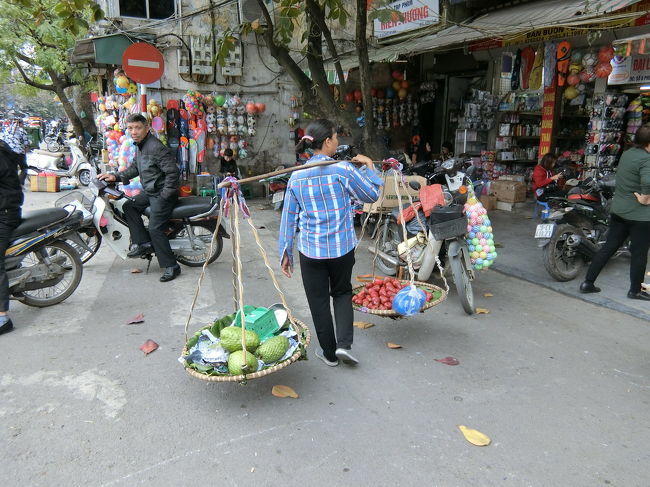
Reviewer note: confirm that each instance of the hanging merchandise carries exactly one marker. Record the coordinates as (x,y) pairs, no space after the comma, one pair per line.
(527,62)
(173,124)
(126,156)
(516,71)
(563,61)
(550,62)
(480,239)
(427,92)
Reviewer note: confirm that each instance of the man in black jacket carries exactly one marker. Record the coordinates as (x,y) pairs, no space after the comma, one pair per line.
(11,200)
(156,166)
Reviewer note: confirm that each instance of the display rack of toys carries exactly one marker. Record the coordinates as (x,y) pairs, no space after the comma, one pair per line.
(605,130)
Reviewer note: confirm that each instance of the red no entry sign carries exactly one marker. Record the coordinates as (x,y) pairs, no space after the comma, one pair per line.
(143,63)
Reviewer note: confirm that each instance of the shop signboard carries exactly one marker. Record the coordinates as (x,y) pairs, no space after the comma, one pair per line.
(629,69)
(415,15)
(548,114)
(561,32)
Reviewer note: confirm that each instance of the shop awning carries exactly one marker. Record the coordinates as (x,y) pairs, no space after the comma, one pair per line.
(530,22)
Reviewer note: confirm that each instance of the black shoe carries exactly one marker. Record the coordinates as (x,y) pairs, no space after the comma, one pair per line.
(642,295)
(588,287)
(139,250)
(6,327)
(170,273)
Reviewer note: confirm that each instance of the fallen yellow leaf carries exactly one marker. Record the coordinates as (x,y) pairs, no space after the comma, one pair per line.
(474,437)
(363,324)
(482,311)
(136,271)
(284,391)
(393,345)
(488,295)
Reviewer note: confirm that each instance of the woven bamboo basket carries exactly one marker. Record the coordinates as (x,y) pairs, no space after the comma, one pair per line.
(389,313)
(303,336)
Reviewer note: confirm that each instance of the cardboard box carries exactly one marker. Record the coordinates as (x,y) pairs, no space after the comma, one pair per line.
(48,184)
(489,202)
(508,191)
(388,196)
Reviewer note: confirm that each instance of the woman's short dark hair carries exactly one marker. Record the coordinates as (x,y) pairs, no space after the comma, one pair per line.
(136,118)
(642,136)
(316,133)
(548,160)
(228,152)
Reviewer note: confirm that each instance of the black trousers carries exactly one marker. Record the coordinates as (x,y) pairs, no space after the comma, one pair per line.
(321,279)
(161,209)
(620,230)
(9,220)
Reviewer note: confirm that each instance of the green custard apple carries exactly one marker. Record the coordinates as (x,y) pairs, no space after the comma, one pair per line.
(231,339)
(236,362)
(273,349)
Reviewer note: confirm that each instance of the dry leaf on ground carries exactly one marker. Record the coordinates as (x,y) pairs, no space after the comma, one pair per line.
(136,271)
(488,295)
(447,360)
(474,437)
(363,324)
(284,391)
(149,346)
(482,311)
(136,319)
(393,345)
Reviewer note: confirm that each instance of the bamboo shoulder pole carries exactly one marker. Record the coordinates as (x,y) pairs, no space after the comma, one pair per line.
(225,184)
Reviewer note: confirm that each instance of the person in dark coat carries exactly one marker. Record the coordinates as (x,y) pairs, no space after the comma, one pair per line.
(156,165)
(11,200)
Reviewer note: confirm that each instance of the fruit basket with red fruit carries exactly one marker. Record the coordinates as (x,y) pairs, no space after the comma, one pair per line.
(376,297)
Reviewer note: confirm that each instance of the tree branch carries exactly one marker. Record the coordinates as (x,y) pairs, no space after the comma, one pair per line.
(364,74)
(317,14)
(316,66)
(281,53)
(29,81)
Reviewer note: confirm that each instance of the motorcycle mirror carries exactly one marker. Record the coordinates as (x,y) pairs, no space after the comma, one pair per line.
(415,185)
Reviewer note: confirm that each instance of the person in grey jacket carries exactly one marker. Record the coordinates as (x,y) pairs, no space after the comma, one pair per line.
(156,165)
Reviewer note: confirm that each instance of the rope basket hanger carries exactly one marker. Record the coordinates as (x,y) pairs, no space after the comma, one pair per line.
(400,182)
(234,204)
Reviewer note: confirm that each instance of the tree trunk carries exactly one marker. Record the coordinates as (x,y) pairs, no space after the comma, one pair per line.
(370,144)
(83,104)
(70,112)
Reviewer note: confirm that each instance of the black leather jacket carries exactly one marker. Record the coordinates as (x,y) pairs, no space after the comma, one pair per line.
(11,191)
(156,165)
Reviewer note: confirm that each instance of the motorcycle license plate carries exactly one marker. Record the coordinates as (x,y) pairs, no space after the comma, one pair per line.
(544,230)
(278,197)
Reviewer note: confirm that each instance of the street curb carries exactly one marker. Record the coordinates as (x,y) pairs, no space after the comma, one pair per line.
(589,298)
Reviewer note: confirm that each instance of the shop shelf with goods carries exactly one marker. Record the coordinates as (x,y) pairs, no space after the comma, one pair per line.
(476,120)
(605,130)
(518,137)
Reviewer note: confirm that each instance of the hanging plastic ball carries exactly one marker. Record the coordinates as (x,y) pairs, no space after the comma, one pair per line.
(490,241)
(219,100)
(470,248)
(492,248)
(471,235)
(390,93)
(479,261)
(478,266)
(261,107)
(482,255)
(475,241)
(396,85)
(570,93)
(474,255)
(409,300)
(603,70)
(605,54)
(122,82)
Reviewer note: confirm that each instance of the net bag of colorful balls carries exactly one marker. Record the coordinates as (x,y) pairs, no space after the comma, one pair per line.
(480,239)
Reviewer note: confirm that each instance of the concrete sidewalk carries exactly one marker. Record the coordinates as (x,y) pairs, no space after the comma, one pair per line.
(521,257)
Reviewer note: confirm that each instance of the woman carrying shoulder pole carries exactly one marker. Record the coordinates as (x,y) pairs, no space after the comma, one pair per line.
(319,202)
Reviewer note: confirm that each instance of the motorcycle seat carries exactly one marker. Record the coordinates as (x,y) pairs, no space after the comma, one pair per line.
(188,206)
(35,219)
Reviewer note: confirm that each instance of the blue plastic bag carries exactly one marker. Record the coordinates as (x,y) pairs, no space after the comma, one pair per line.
(409,300)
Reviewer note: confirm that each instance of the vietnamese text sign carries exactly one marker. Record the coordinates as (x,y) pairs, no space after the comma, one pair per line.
(630,69)
(548,115)
(415,14)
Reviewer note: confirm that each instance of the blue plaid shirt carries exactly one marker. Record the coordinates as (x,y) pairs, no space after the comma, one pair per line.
(318,200)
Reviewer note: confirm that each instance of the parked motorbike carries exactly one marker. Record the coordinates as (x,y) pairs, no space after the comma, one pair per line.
(55,162)
(190,230)
(89,238)
(441,237)
(42,268)
(576,227)
(277,187)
